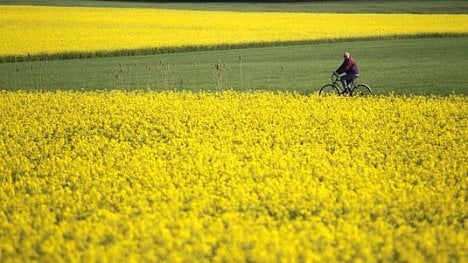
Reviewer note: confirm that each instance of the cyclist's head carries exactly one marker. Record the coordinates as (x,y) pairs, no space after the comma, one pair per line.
(346,55)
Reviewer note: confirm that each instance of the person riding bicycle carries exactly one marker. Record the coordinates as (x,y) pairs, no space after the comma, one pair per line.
(350,68)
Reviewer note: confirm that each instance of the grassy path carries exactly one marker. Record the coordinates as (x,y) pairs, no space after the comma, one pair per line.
(422,66)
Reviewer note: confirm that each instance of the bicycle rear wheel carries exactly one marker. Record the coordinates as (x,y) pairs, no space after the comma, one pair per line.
(361,90)
(329,90)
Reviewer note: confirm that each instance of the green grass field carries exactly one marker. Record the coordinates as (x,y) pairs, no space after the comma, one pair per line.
(429,65)
(403,66)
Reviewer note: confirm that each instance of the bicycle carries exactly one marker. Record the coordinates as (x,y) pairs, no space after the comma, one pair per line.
(354,89)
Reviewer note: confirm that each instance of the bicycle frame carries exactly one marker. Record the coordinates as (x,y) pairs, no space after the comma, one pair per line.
(354,88)
(339,84)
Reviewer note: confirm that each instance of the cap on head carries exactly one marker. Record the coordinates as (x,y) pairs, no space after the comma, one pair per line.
(346,55)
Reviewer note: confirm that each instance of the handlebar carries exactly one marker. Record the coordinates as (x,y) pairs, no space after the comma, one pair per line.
(334,77)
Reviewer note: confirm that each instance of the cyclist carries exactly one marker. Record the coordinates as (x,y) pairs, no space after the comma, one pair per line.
(350,68)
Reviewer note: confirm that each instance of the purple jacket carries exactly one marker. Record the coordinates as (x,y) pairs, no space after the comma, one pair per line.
(349,66)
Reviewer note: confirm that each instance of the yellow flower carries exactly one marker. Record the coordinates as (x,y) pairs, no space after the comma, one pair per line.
(231,176)
(51,30)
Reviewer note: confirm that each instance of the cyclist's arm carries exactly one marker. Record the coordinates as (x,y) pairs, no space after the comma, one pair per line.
(343,67)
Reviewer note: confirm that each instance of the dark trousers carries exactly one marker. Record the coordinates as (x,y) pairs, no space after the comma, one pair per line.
(347,79)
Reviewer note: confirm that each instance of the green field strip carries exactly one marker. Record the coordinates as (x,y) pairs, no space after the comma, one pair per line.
(403,66)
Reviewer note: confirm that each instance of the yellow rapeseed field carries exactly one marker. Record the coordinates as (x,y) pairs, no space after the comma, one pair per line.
(50,30)
(232,177)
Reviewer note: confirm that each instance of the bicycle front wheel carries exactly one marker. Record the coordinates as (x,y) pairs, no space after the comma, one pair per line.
(361,90)
(329,90)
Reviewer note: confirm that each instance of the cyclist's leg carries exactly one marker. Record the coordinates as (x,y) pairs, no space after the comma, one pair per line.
(343,82)
(352,81)
(345,79)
